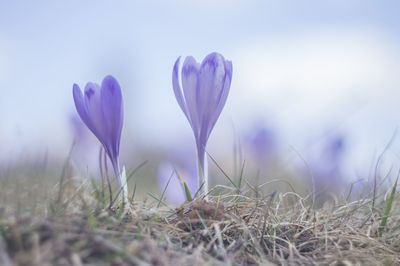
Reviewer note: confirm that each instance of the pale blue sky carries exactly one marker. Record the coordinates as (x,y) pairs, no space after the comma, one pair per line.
(307,66)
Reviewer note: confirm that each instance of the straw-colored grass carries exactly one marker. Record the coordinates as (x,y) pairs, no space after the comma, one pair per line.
(280,228)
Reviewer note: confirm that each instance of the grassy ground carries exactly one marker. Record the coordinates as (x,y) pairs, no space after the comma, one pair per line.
(72,224)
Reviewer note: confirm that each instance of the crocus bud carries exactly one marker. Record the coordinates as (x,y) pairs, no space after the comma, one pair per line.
(101,109)
(202,95)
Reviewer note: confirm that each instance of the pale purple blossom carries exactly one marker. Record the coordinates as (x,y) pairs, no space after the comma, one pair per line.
(201,91)
(101,109)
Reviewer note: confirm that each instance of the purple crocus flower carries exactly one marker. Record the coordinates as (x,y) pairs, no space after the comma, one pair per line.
(202,96)
(101,109)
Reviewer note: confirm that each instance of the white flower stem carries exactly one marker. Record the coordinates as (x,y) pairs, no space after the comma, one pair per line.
(202,167)
(122,192)
(124,187)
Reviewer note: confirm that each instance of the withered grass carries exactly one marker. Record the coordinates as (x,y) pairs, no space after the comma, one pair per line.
(246,228)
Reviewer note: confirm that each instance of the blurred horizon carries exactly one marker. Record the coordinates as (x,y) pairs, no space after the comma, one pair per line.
(307,69)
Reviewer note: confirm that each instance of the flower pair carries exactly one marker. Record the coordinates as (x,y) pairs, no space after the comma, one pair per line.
(201,95)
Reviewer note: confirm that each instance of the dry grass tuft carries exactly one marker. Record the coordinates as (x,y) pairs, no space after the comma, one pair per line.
(231,229)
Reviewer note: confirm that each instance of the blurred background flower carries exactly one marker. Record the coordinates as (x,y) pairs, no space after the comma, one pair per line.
(169,182)
(178,166)
(327,164)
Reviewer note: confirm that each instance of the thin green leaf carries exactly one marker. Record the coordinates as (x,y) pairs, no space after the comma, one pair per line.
(165,189)
(187,193)
(388,208)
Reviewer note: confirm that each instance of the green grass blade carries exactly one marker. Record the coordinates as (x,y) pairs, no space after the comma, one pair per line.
(388,208)
(188,196)
(165,189)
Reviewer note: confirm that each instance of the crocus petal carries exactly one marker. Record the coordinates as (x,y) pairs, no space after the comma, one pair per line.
(190,70)
(94,110)
(112,109)
(223,95)
(80,105)
(177,88)
(212,76)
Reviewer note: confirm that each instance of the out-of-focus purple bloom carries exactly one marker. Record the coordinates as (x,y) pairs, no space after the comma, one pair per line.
(327,169)
(331,158)
(186,171)
(101,109)
(202,95)
(261,142)
(175,193)
(334,149)
(326,166)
